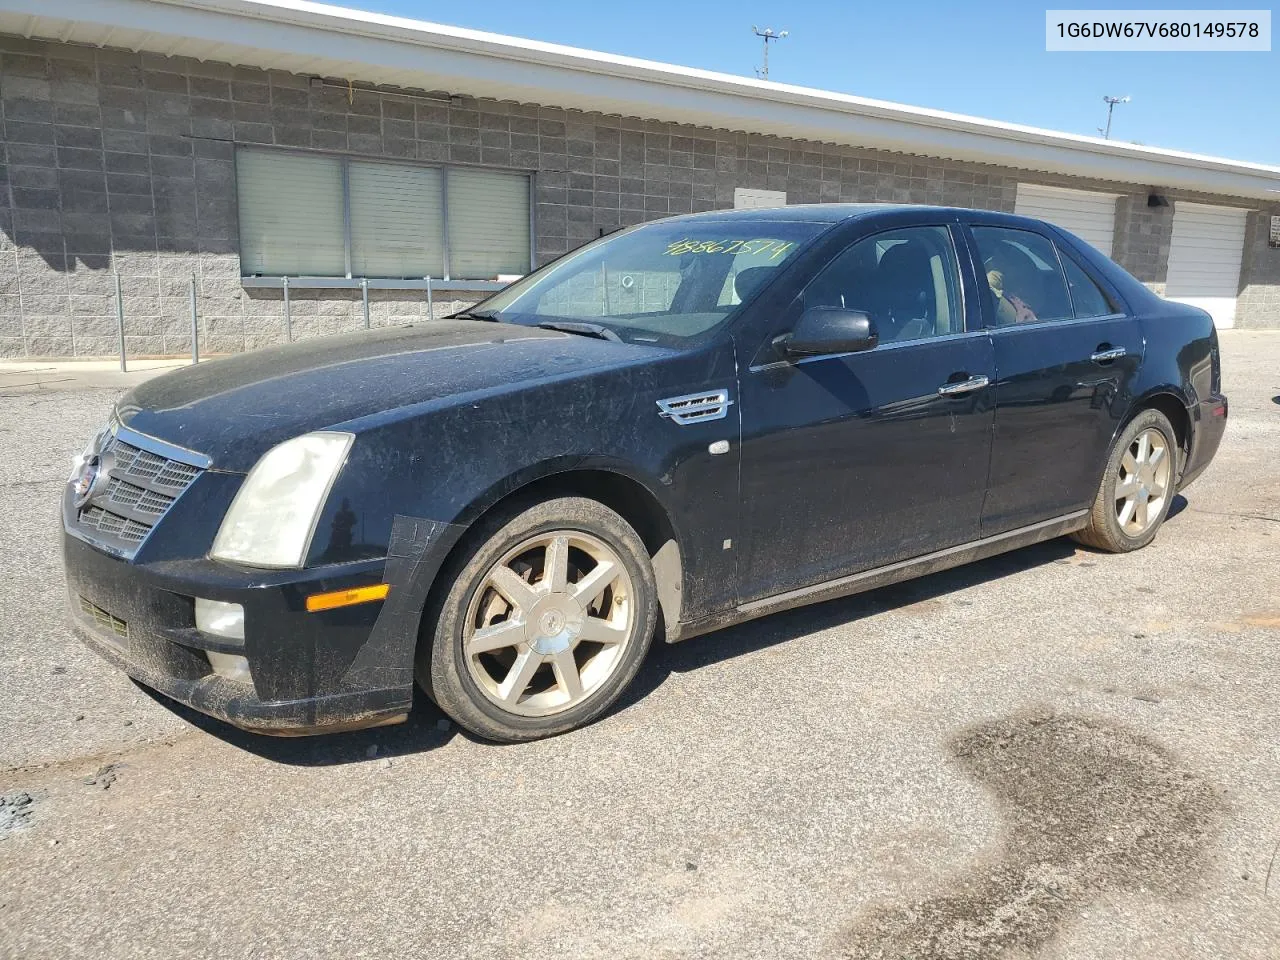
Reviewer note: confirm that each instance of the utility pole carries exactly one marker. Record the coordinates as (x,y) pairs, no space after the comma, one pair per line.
(1111,105)
(766,35)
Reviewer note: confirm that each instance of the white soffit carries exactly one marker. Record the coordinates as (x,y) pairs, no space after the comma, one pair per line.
(318,39)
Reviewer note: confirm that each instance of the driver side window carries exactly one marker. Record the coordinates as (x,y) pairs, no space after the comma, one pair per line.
(906,280)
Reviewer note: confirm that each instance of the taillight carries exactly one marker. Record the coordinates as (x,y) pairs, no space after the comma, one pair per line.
(1215,383)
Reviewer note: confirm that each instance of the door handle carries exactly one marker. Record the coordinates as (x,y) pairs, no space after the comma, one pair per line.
(964,386)
(1106,356)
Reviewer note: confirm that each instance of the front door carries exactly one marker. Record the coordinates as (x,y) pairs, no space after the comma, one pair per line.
(1065,353)
(856,460)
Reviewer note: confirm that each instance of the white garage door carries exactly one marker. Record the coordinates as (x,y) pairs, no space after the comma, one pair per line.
(1090,216)
(745,198)
(1204,258)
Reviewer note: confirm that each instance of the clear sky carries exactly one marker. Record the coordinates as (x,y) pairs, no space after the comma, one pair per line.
(984,57)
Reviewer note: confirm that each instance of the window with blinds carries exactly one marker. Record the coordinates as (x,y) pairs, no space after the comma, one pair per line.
(488,223)
(309,215)
(397,220)
(291,220)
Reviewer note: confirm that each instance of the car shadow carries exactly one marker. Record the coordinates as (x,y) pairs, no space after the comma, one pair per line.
(428,728)
(697,652)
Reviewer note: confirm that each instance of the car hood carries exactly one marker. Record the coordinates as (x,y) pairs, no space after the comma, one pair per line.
(235,409)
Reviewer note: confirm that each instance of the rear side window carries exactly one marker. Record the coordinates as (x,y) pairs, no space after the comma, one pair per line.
(1088,298)
(1023,274)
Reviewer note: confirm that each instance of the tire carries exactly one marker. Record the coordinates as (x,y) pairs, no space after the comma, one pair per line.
(512,652)
(1156,476)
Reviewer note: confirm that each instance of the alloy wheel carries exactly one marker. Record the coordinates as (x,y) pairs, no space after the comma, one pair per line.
(1144,482)
(549,623)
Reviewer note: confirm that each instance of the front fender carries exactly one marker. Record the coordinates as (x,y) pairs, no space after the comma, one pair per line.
(450,464)
(565,465)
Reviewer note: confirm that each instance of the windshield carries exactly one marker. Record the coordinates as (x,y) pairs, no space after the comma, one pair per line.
(662,283)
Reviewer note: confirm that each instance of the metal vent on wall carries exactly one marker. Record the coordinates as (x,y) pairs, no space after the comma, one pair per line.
(697,407)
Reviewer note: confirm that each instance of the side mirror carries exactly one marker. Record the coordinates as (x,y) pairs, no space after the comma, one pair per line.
(829,330)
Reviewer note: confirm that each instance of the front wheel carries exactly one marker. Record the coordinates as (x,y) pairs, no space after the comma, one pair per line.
(1137,487)
(545,623)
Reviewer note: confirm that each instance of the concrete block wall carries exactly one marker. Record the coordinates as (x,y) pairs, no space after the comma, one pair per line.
(1259,303)
(1142,238)
(121,162)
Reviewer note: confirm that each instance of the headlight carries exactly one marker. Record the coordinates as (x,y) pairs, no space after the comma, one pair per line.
(272,518)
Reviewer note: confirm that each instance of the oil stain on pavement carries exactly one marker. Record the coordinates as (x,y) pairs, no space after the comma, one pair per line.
(1089,807)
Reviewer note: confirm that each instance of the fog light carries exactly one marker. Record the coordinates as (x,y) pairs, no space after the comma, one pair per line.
(220,619)
(230,666)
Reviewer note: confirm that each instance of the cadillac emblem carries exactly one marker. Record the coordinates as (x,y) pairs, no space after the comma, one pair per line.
(89,470)
(85,479)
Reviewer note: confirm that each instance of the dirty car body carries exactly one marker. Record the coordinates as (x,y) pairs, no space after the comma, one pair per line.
(780,443)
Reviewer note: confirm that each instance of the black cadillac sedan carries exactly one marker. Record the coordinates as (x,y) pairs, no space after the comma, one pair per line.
(676,428)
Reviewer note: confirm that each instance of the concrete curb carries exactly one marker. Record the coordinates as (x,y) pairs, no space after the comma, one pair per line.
(35,376)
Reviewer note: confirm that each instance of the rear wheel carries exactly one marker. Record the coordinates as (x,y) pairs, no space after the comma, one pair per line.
(1137,487)
(545,623)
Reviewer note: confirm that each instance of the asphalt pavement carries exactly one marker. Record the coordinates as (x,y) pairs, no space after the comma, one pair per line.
(1054,753)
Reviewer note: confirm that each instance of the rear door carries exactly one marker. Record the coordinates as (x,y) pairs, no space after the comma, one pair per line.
(1066,353)
(855,460)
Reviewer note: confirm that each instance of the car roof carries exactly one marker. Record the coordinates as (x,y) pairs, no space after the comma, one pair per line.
(839,212)
(812,212)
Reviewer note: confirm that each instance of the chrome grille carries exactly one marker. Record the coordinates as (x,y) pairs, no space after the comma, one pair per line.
(141,485)
(145,501)
(149,466)
(114,525)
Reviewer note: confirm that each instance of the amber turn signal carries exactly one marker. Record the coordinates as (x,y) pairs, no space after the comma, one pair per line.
(346,598)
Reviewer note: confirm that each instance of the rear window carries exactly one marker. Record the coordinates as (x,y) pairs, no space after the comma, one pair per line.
(1089,299)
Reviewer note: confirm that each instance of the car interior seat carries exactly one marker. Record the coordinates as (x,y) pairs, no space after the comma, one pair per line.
(747,282)
(828,290)
(904,281)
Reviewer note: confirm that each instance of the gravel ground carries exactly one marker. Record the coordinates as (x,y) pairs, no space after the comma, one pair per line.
(1054,753)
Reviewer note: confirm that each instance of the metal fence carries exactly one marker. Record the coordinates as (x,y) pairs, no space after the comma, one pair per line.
(195,315)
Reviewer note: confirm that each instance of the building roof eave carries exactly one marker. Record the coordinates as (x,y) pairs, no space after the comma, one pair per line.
(323,40)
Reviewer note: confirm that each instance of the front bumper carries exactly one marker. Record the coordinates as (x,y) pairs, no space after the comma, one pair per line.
(312,672)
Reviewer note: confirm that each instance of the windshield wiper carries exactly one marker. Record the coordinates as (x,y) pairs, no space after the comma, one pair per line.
(581,328)
(476,315)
